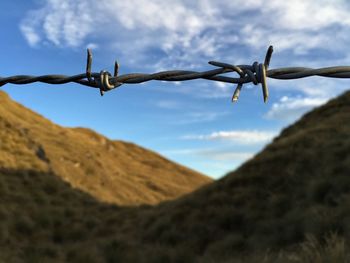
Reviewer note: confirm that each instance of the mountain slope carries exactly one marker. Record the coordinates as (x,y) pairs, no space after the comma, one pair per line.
(298,186)
(112,171)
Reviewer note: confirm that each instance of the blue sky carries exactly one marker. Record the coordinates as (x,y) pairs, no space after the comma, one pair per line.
(193,123)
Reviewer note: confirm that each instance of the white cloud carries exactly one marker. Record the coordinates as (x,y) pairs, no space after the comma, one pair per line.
(197,117)
(68,22)
(237,136)
(226,155)
(183,34)
(92,46)
(201,28)
(299,25)
(212,161)
(31,36)
(213,154)
(63,22)
(168,104)
(291,108)
(223,86)
(301,14)
(193,116)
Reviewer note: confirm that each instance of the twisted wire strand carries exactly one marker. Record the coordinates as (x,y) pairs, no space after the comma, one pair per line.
(255,73)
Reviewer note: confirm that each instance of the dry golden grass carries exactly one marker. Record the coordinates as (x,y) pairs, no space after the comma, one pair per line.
(112,171)
(290,203)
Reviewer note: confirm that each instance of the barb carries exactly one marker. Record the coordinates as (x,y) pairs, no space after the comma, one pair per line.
(255,73)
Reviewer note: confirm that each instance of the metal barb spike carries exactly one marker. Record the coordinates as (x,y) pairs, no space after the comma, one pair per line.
(264,83)
(88,65)
(116,69)
(268,57)
(237,92)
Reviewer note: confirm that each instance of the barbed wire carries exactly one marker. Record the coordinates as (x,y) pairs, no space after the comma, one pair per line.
(257,73)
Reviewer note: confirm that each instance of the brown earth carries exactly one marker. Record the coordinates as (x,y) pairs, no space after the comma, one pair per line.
(112,171)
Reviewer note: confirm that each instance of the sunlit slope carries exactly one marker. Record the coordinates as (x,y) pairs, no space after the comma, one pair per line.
(112,171)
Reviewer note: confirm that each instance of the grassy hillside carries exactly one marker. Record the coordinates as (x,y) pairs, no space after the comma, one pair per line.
(298,185)
(290,203)
(113,171)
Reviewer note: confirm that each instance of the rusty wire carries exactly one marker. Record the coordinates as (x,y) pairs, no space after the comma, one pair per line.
(257,73)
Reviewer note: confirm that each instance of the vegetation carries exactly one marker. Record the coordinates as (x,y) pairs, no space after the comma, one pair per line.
(287,204)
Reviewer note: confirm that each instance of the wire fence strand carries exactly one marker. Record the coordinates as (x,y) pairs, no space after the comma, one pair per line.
(257,73)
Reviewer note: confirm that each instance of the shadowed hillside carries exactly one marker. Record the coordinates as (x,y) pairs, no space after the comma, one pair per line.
(291,199)
(298,185)
(112,171)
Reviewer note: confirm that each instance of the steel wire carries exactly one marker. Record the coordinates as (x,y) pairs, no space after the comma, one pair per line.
(255,73)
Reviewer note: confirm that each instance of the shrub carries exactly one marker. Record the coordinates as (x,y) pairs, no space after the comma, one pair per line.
(82,255)
(24,226)
(113,252)
(332,249)
(320,189)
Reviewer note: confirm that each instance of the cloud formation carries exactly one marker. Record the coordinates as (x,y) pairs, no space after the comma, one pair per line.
(205,27)
(213,154)
(213,161)
(237,136)
(289,109)
(62,23)
(159,35)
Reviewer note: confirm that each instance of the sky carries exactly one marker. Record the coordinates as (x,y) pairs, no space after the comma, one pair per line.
(193,122)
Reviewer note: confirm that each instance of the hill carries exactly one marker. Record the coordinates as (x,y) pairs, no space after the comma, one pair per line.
(291,199)
(298,186)
(112,171)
